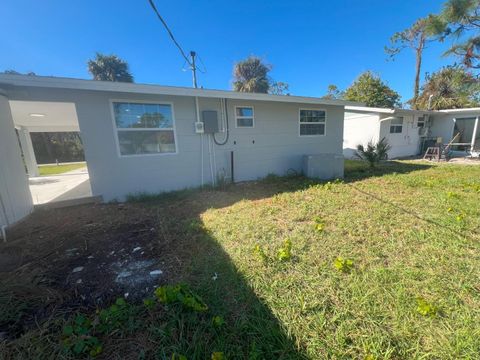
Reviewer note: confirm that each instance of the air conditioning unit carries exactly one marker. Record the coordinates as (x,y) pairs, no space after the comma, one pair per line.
(199,128)
(323,166)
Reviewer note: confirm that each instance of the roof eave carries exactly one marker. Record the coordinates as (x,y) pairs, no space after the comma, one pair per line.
(92,85)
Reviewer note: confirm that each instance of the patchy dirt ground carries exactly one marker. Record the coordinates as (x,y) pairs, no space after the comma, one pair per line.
(82,258)
(456,161)
(87,256)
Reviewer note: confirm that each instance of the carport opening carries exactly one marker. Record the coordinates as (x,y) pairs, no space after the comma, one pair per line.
(52,150)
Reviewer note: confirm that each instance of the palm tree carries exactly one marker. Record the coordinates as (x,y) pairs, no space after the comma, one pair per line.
(373,153)
(416,38)
(109,68)
(450,87)
(251,75)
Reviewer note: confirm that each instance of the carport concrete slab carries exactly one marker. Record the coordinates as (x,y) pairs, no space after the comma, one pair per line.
(70,185)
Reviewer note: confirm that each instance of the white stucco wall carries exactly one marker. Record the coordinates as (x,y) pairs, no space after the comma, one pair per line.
(272,146)
(406,143)
(443,124)
(15,198)
(359,129)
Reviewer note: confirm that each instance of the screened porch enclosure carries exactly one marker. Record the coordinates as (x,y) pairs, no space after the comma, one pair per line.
(467,134)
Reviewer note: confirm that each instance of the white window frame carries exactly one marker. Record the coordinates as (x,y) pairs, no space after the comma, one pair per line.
(116,129)
(396,125)
(244,117)
(314,123)
(423,121)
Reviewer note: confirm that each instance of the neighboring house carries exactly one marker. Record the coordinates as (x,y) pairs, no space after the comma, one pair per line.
(410,132)
(148,138)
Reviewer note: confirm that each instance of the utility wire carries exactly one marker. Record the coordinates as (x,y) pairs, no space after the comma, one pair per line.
(170,33)
(204,71)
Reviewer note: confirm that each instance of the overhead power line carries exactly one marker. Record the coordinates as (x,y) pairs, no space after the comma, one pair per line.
(169,32)
(190,60)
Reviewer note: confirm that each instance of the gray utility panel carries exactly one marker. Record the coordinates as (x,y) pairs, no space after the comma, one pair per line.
(210,121)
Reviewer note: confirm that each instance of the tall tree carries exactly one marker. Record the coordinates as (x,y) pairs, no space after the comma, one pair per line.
(109,68)
(371,90)
(416,38)
(251,75)
(278,88)
(334,93)
(460,20)
(450,88)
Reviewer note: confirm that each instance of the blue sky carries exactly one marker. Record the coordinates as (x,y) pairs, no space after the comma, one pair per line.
(311,44)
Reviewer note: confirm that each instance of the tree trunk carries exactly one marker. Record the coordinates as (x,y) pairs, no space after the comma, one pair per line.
(418,66)
(48,146)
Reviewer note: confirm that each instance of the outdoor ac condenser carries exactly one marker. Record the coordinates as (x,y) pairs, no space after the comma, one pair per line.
(323,166)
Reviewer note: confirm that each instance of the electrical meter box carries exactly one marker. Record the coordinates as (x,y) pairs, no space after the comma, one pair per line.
(199,127)
(210,121)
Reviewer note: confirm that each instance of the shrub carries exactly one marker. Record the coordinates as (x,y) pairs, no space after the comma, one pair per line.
(373,153)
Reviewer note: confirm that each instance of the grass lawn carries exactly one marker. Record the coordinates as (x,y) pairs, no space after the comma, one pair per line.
(59,169)
(264,258)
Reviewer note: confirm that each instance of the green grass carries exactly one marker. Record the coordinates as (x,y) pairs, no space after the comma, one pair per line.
(382,266)
(59,169)
(411,235)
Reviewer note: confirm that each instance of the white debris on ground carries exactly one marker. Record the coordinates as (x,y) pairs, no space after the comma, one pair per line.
(126,271)
(71,252)
(77,269)
(134,273)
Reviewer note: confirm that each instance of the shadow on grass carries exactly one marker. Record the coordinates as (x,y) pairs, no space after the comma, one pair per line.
(192,255)
(250,331)
(189,254)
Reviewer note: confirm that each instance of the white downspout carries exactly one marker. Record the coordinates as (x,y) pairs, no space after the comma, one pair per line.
(197,119)
(4,227)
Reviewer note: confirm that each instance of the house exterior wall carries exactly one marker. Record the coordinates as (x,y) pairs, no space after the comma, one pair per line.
(272,146)
(443,123)
(359,130)
(15,198)
(406,143)
(442,126)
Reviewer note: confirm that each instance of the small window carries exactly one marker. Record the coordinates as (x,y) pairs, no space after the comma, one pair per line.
(244,116)
(421,121)
(312,122)
(396,125)
(144,128)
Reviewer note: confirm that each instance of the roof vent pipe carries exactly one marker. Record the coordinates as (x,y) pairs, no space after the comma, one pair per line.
(429,107)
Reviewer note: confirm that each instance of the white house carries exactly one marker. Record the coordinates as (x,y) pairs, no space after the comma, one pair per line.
(148,138)
(409,132)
